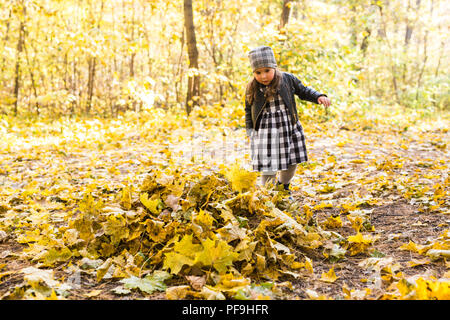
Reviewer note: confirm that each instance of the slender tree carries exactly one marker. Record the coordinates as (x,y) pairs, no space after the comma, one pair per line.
(92,64)
(285,13)
(425,53)
(18,54)
(193,89)
(390,54)
(6,39)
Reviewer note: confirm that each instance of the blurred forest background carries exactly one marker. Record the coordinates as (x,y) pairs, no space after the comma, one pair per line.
(123,155)
(105,57)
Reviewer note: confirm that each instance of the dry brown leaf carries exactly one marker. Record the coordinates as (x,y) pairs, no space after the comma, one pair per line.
(196,282)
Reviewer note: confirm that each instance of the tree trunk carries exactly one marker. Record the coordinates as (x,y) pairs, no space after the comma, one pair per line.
(285,13)
(391,59)
(410,24)
(365,41)
(425,55)
(75,102)
(193,89)
(92,62)
(91,78)
(133,54)
(19,52)
(179,74)
(33,82)
(354,31)
(408,34)
(5,41)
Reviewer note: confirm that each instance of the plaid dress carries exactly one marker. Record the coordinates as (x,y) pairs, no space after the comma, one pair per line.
(277,143)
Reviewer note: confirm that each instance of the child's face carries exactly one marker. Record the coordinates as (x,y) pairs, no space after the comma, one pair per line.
(264,75)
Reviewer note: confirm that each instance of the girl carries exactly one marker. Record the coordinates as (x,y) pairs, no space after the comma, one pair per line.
(271,119)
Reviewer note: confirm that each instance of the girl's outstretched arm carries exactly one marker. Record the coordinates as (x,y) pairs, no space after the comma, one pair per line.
(305,93)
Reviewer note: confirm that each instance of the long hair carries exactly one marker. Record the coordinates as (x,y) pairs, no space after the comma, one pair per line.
(272,89)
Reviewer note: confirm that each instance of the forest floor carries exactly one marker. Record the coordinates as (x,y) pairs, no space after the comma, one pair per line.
(401,167)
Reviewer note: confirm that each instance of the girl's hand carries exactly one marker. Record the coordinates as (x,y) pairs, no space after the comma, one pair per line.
(324,100)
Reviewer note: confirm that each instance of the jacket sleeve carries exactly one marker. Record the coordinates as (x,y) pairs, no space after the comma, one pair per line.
(305,93)
(248,116)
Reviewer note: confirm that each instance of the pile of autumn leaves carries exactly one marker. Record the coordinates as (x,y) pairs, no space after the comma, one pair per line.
(191,234)
(217,232)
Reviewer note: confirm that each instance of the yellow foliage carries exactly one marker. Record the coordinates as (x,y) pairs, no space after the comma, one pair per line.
(358,243)
(154,204)
(241,179)
(189,220)
(115,226)
(126,198)
(329,276)
(423,289)
(177,292)
(216,253)
(333,222)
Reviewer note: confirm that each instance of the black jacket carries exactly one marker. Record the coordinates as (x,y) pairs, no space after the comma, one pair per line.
(289,86)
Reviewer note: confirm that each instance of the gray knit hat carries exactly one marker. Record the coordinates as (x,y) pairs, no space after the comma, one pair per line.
(262,57)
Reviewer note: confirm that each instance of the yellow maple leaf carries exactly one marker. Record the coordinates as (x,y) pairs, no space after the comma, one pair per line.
(84,225)
(183,254)
(260,262)
(231,232)
(216,253)
(411,246)
(175,262)
(149,184)
(309,265)
(333,222)
(155,230)
(154,204)
(297,265)
(329,276)
(358,243)
(52,296)
(322,205)
(29,236)
(431,290)
(53,255)
(415,262)
(125,200)
(326,188)
(231,283)
(204,219)
(116,227)
(187,247)
(359,238)
(346,207)
(70,236)
(177,292)
(357,222)
(245,249)
(241,179)
(103,269)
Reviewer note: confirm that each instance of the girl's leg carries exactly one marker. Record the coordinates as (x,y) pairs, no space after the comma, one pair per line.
(286,175)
